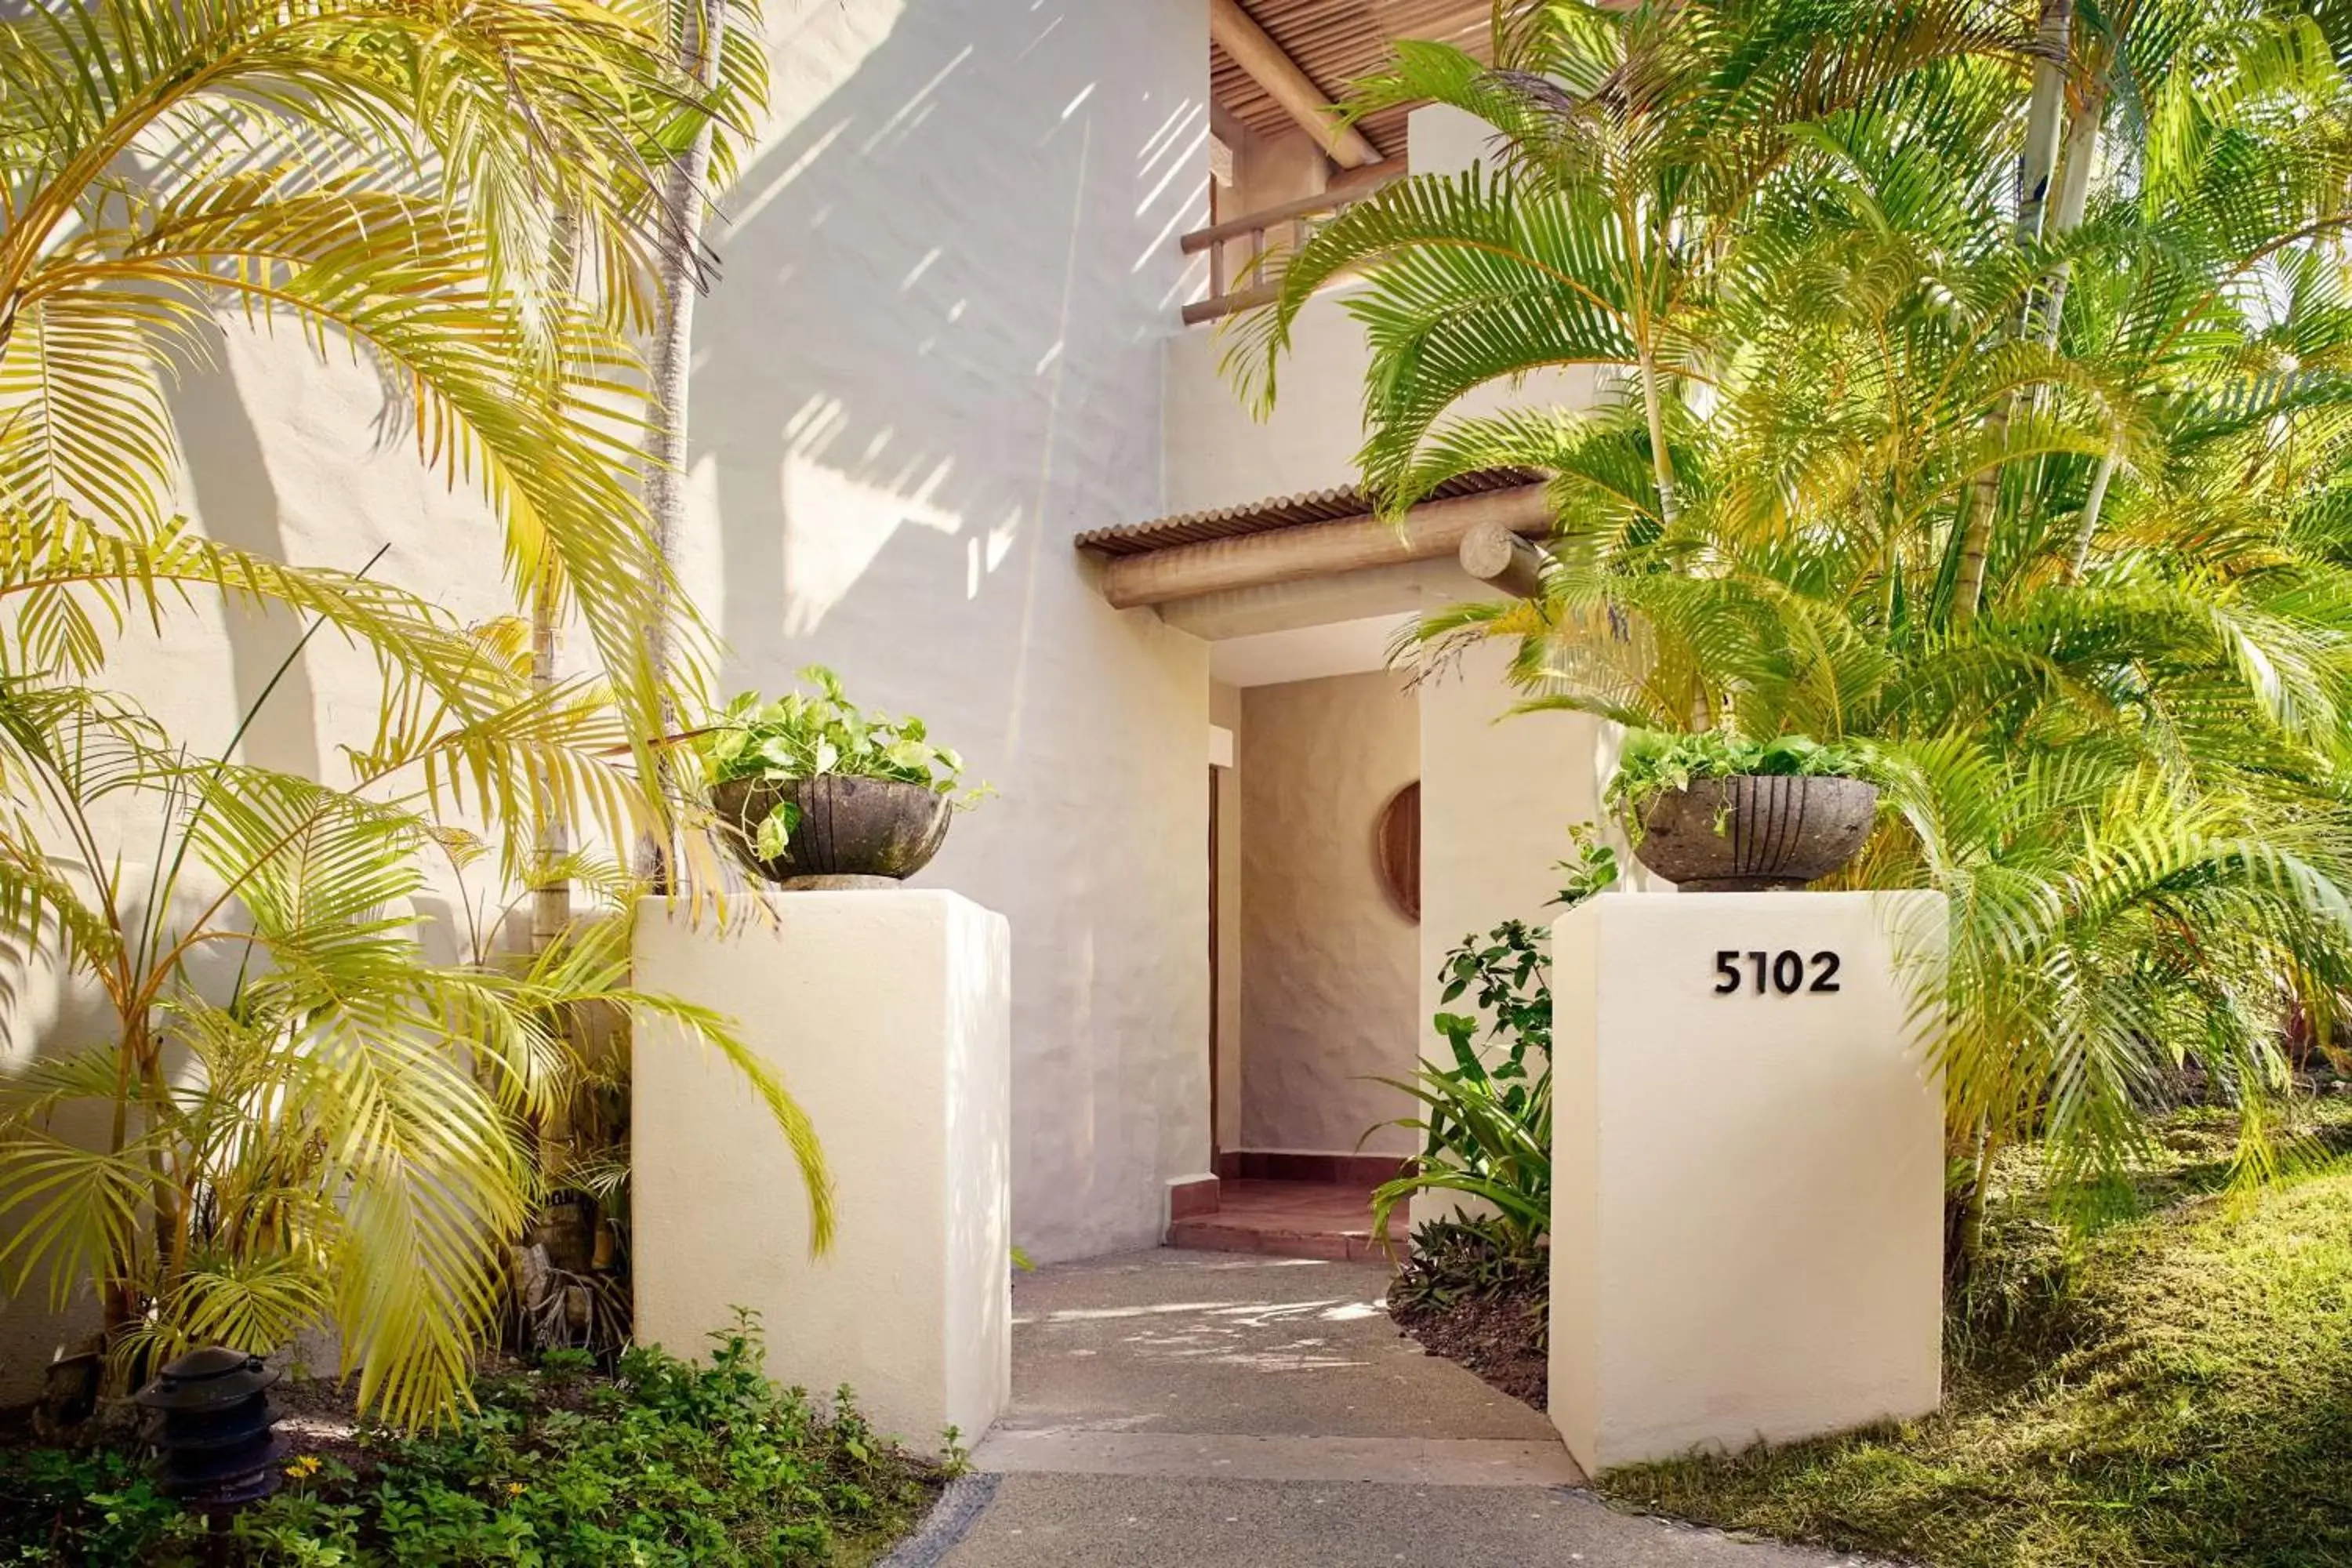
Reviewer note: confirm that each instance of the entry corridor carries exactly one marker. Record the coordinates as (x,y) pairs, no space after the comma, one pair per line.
(1202,1410)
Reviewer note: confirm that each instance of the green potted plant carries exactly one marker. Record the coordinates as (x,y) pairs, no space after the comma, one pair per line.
(813,792)
(1718,813)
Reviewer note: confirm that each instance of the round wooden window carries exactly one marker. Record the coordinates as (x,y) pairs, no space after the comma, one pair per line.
(1396,845)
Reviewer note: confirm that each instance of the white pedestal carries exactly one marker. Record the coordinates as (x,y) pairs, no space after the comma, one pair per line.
(887,1016)
(1748,1197)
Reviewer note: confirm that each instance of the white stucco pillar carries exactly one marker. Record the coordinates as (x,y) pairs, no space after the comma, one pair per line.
(887,1016)
(1748,1182)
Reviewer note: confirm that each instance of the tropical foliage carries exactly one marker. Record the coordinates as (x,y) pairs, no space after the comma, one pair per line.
(1652,761)
(296,1102)
(1485,1119)
(663,1463)
(801,737)
(1973,383)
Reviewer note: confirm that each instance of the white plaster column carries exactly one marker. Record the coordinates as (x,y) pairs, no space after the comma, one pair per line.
(1747,1184)
(887,1016)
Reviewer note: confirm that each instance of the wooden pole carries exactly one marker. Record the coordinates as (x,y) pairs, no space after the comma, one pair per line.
(1428,532)
(1237,33)
(1493,554)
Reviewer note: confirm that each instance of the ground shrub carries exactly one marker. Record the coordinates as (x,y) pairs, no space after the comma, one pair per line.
(2173,1392)
(1470,1295)
(662,1463)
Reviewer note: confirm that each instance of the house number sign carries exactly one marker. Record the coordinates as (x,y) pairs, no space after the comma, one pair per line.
(1785,972)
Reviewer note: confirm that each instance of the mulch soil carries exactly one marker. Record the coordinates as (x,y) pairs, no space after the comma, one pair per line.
(1499,1337)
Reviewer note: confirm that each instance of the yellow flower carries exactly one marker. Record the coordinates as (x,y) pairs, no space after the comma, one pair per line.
(308,1465)
(514,1489)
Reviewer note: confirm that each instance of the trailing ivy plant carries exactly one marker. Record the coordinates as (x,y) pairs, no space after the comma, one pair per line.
(799,736)
(1654,761)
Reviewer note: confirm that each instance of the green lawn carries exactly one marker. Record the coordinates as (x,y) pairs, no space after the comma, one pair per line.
(2178,1393)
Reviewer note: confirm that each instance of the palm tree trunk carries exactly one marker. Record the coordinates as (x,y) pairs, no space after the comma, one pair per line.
(1662,462)
(2087,527)
(2036,169)
(2074,198)
(702,29)
(550,898)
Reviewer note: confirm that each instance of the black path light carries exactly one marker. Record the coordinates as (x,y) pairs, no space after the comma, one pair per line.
(216,1449)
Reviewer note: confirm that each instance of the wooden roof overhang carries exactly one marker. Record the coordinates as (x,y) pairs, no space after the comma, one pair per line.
(1335,42)
(1320,534)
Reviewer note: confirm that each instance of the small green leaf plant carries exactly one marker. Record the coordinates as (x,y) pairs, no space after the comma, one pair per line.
(800,736)
(1485,1120)
(1653,761)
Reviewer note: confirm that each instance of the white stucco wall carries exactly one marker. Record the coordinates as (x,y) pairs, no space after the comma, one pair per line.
(1328,989)
(935,357)
(1226,711)
(1219,452)
(912,1306)
(1747,1204)
(1497,795)
(292,459)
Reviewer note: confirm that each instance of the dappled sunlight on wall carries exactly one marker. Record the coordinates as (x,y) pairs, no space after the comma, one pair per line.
(932,358)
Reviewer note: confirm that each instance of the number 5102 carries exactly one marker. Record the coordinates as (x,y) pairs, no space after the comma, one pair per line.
(1784,972)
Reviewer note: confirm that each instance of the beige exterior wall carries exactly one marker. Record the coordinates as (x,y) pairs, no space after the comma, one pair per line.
(1327,990)
(1747,1208)
(934,357)
(1498,792)
(934,354)
(912,1307)
(1225,712)
(1221,454)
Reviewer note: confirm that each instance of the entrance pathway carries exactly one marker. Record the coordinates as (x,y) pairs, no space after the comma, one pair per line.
(1204,1410)
(1290,1219)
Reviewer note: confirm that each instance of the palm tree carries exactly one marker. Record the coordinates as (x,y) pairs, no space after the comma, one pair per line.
(1628,144)
(2044,504)
(728,67)
(401,177)
(304,1118)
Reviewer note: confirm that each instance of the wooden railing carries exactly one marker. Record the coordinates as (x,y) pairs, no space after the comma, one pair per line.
(1298,218)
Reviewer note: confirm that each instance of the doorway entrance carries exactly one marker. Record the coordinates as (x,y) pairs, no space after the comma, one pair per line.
(1314,961)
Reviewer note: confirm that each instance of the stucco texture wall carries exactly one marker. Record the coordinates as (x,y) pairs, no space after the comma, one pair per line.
(1497,797)
(932,355)
(1328,962)
(950,267)
(1226,711)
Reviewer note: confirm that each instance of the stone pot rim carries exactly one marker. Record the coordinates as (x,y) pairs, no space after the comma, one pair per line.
(1779,849)
(729,797)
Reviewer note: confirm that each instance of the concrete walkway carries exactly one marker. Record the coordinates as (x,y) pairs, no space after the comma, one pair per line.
(1198,1410)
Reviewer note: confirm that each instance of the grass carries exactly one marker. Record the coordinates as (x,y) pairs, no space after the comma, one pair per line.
(2175,1391)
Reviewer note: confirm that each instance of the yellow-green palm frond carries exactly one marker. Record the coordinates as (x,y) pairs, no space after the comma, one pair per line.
(426,182)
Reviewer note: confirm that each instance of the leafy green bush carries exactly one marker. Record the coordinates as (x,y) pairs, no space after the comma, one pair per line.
(1458,1259)
(663,1464)
(1486,1120)
(1655,761)
(803,737)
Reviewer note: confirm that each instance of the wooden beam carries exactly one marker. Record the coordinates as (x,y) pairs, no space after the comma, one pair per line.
(1252,48)
(1432,530)
(1496,555)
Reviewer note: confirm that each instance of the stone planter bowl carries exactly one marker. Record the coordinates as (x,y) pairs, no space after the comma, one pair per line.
(1749,833)
(853,833)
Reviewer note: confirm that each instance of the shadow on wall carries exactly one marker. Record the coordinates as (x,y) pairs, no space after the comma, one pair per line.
(933,356)
(231,488)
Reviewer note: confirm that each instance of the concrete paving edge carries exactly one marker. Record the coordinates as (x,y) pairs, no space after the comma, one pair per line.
(950,1519)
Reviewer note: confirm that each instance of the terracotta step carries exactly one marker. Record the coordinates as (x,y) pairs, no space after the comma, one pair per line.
(1327,1220)
(1214,1235)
